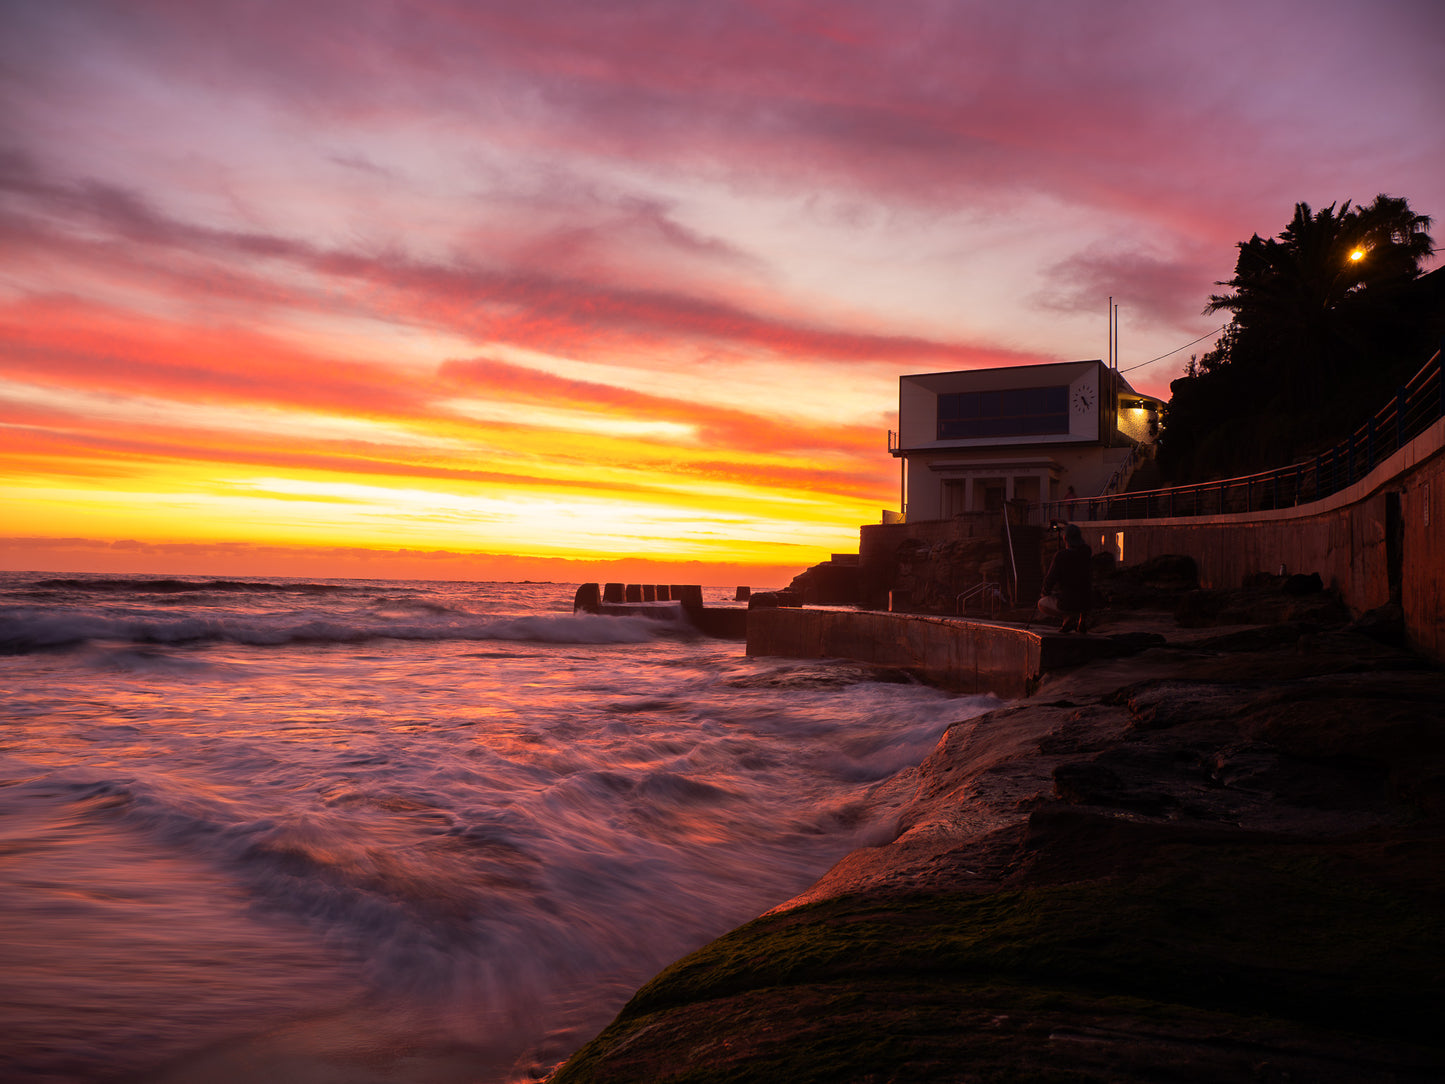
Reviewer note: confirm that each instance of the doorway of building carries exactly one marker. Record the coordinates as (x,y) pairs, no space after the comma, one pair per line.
(955,498)
(1027,488)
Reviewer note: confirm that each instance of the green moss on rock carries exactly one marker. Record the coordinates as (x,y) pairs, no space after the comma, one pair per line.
(1243,942)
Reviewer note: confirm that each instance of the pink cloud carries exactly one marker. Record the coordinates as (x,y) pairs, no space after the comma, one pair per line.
(524,307)
(66,343)
(1161,290)
(913,99)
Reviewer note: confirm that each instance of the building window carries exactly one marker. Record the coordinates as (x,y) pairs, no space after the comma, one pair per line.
(1017,412)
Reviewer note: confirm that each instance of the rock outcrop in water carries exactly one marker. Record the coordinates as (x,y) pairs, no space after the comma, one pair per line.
(1217,860)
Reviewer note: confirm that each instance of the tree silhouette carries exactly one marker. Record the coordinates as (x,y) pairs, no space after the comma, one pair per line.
(1303,302)
(1324,318)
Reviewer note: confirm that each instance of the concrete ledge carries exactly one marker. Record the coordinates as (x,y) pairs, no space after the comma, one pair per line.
(964,656)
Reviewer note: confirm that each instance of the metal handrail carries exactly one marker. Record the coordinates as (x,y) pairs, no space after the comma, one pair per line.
(1416,405)
(960,604)
(1117,478)
(1012,560)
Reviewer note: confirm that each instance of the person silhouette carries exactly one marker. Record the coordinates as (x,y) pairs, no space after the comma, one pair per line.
(1068,587)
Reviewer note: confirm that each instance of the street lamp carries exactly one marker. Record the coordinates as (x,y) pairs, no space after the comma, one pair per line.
(1354,257)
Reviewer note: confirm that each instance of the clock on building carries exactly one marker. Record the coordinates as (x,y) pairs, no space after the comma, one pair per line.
(1083,400)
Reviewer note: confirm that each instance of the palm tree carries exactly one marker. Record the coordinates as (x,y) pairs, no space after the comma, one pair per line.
(1302,302)
(1324,318)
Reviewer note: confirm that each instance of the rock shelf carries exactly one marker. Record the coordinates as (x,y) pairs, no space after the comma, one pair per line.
(1219,859)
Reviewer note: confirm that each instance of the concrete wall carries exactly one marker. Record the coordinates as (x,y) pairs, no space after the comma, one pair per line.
(1423,583)
(878,545)
(918,402)
(1139,424)
(1343,538)
(954,654)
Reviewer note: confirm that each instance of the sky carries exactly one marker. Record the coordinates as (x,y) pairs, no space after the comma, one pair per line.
(614,289)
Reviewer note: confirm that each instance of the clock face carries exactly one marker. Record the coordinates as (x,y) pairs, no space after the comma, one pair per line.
(1083,400)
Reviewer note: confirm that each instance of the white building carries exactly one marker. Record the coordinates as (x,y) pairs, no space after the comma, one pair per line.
(971,440)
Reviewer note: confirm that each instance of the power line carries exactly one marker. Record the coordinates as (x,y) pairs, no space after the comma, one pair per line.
(1186,346)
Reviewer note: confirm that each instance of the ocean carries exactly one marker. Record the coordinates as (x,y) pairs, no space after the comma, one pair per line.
(393,831)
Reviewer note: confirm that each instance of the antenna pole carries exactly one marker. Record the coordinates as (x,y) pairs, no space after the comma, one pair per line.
(1116,337)
(1111,331)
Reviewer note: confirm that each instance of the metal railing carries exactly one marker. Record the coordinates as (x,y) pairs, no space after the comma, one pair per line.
(1013,561)
(1120,477)
(987,592)
(1416,406)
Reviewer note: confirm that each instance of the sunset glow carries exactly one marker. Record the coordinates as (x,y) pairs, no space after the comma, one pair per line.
(567,290)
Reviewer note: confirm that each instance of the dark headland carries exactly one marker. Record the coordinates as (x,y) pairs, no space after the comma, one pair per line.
(1217,859)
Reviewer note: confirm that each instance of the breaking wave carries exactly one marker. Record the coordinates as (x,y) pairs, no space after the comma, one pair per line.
(167,586)
(22,632)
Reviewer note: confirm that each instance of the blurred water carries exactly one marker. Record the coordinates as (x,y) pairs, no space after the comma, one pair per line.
(370,830)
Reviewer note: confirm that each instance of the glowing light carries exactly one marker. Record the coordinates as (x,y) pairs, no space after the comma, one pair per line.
(1357,255)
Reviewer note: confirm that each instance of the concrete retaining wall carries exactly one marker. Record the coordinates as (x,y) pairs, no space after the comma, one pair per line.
(878,545)
(954,654)
(1346,538)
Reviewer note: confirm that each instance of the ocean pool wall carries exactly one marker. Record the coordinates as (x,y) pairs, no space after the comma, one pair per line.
(964,656)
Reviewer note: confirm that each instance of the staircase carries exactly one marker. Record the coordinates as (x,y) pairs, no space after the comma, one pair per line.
(1138,465)
(1146,475)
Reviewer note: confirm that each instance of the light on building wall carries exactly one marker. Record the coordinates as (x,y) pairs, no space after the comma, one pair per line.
(1357,255)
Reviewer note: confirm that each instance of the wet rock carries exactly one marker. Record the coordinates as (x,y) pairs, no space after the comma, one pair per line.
(1096,783)
(763,600)
(1168,570)
(1156,583)
(1200,608)
(1162,704)
(1256,638)
(1300,584)
(831,583)
(1263,601)
(1065,650)
(1072,741)
(1385,624)
(1131,643)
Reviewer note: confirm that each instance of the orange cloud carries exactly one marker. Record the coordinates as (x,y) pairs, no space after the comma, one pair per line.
(716,426)
(67,347)
(121,556)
